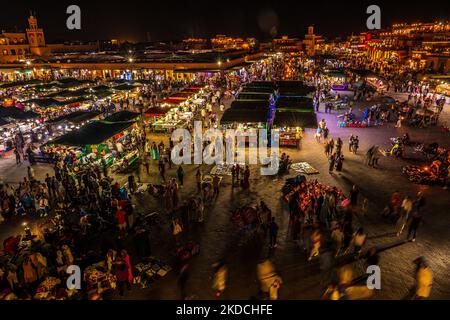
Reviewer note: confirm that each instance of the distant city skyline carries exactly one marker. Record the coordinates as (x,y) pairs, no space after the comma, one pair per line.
(162,21)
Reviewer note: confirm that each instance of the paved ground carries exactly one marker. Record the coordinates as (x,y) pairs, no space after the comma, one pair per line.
(218,239)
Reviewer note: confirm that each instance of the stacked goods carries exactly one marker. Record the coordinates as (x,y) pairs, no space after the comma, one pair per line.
(306,191)
(46,288)
(293,184)
(353,124)
(150,271)
(434,173)
(304,167)
(421,175)
(98,280)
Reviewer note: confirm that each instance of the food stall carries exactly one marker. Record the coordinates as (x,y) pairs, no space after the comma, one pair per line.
(98,280)
(292,115)
(71,121)
(172,118)
(246,115)
(291,125)
(154,113)
(337,78)
(113,142)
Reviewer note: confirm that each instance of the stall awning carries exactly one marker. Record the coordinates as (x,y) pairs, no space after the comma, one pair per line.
(173,101)
(156,112)
(20,83)
(266,84)
(102,94)
(301,105)
(124,87)
(69,93)
(91,134)
(44,103)
(16,113)
(245,116)
(249,104)
(53,103)
(45,86)
(295,91)
(192,90)
(122,116)
(257,89)
(100,88)
(76,117)
(248,95)
(73,100)
(70,82)
(181,95)
(295,119)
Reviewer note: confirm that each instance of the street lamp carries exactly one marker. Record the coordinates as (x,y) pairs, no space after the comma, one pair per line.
(130,60)
(28,62)
(219,63)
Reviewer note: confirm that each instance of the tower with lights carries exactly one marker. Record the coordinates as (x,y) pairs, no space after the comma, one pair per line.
(35,37)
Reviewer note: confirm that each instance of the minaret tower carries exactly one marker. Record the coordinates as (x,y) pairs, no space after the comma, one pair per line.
(35,36)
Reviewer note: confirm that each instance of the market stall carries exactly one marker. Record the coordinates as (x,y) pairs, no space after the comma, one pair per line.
(113,143)
(246,115)
(70,121)
(336,78)
(98,280)
(122,116)
(291,125)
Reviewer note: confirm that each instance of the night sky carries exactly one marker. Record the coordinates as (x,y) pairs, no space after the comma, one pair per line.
(174,20)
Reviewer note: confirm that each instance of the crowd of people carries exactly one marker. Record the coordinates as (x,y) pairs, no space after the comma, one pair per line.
(80,206)
(84,214)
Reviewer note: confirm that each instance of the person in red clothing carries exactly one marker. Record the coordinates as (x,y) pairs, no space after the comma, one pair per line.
(394,204)
(126,258)
(122,276)
(128,208)
(121,222)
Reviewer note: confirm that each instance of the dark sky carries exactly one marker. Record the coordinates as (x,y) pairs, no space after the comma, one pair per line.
(172,20)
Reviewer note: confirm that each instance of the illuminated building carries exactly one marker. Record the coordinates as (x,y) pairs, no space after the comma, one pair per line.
(312,42)
(195,44)
(221,41)
(19,46)
(286,44)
